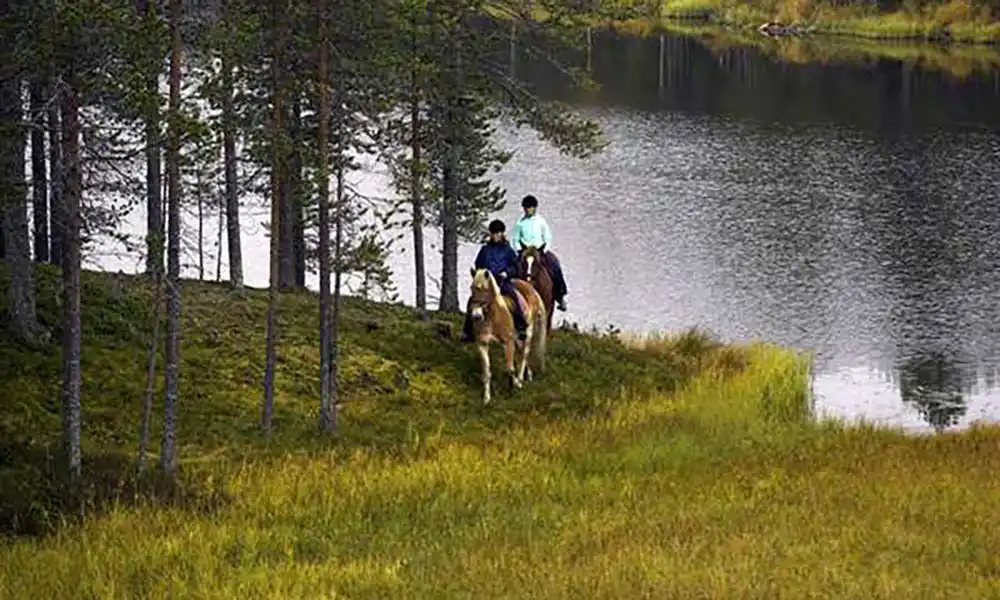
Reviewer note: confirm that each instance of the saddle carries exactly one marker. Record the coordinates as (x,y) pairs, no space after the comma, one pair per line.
(520,300)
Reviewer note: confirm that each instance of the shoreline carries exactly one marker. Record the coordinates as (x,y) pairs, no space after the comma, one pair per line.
(957,59)
(957,22)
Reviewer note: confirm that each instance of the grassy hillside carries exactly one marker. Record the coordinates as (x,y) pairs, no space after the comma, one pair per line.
(666,468)
(402,379)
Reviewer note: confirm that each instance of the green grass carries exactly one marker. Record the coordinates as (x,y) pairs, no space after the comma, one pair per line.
(666,468)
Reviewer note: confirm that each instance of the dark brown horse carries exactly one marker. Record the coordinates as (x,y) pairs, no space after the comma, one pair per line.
(532,268)
(492,321)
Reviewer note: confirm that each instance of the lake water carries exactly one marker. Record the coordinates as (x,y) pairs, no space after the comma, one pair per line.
(851,210)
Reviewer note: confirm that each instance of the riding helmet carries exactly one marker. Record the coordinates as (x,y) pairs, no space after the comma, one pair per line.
(497,226)
(529,201)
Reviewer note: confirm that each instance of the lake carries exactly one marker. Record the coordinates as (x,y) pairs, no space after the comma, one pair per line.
(847,208)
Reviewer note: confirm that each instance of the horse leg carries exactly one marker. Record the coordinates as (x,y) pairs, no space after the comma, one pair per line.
(484,356)
(508,349)
(525,371)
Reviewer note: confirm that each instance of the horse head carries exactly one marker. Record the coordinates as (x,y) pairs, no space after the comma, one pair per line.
(485,292)
(531,262)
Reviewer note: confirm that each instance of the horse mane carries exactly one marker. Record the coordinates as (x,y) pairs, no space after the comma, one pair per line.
(484,278)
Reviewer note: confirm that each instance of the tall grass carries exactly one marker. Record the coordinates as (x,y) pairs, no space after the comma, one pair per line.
(716,485)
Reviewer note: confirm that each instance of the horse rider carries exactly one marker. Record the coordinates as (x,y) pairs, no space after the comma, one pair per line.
(498,257)
(533,230)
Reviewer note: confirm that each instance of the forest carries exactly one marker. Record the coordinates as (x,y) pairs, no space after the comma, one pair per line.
(177,107)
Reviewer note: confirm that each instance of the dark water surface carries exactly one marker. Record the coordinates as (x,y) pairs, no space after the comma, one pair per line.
(850,210)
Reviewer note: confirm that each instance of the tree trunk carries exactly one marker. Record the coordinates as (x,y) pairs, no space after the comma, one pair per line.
(449,239)
(57,217)
(338,265)
(201,228)
(147,398)
(232,185)
(287,207)
(219,242)
(326,370)
(277,170)
(298,199)
(173,349)
(449,191)
(14,207)
(416,183)
(70,252)
(39,177)
(154,201)
(21,291)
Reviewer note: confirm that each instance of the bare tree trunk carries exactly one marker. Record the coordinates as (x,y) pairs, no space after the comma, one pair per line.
(147,398)
(201,229)
(154,201)
(449,239)
(14,207)
(326,374)
(297,203)
(56,214)
(218,245)
(450,189)
(416,181)
(232,185)
(277,170)
(287,209)
(338,265)
(70,252)
(173,350)
(39,177)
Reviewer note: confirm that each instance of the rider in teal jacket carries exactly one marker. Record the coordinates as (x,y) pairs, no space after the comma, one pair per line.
(533,230)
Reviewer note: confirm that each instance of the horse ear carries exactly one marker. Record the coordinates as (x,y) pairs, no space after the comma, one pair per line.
(472,272)
(541,249)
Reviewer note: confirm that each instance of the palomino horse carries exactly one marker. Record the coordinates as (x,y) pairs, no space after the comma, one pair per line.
(532,268)
(492,320)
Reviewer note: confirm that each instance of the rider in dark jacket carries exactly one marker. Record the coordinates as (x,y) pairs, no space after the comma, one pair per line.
(500,259)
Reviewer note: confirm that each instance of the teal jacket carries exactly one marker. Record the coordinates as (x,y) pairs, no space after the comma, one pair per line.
(531,231)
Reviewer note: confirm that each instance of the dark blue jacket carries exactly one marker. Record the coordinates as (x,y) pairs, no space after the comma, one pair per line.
(497,258)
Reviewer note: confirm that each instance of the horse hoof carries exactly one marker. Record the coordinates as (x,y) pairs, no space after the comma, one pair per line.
(529,375)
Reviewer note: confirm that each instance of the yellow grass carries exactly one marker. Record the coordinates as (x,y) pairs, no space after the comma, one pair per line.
(722,488)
